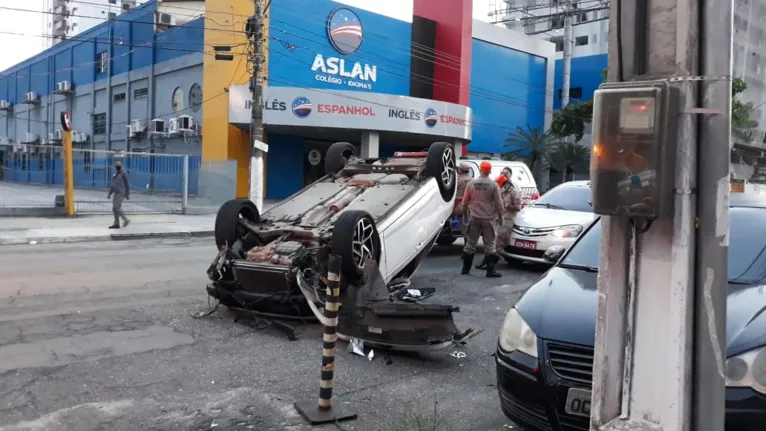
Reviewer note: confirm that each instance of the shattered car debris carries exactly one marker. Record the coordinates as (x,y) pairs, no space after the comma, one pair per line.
(381,216)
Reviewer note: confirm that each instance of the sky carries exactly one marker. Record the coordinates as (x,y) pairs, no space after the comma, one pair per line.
(28,26)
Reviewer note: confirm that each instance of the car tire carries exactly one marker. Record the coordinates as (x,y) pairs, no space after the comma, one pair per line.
(440,164)
(345,242)
(446,240)
(337,156)
(227,227)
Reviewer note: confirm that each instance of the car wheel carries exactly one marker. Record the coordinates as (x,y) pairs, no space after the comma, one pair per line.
(227,227)
(337,156)
(446,240)
(440,164)
(356,240)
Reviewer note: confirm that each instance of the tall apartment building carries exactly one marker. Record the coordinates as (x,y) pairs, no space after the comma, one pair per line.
(543,19)
(71,17)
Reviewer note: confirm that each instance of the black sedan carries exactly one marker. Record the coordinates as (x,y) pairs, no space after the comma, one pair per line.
(546,343)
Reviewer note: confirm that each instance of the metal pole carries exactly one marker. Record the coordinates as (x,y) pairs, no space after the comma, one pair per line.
(713,214)
(322,412)
(330,336)
(256,154)
(68,172)
(567,55)
(185,203)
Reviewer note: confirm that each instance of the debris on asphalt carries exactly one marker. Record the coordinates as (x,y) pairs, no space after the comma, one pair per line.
(371,355)
(416,295)
(458,354)
(356,347)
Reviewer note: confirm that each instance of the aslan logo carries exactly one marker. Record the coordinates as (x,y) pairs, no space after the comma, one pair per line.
(431,117)
(345,33)
(301,107)
(344,29)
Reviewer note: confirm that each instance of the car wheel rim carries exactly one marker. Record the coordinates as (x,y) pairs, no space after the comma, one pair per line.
(363,245)
(448,167)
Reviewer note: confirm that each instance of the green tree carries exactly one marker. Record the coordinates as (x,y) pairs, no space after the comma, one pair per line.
(571,119)
(742,125)
(568,157)
(533,147)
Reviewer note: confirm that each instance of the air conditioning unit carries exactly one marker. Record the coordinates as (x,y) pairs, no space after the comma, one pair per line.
(63,87)
(5,105)
(4,141)
(129,131)
(52,136)
(165,19)
(173,126)
(138,126)
(158,126)
(79,137)
(30,137)
(185,123)
(31,98)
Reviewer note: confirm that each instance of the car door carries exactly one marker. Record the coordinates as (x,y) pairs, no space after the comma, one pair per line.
(412,227)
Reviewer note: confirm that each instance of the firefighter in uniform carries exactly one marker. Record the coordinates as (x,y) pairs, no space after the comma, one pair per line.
(511,207)
(463,178)
(483,205)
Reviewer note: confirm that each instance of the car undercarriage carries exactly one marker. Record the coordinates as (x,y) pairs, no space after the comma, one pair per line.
(275,264)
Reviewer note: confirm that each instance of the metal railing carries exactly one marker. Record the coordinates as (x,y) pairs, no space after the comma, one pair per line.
(32,176)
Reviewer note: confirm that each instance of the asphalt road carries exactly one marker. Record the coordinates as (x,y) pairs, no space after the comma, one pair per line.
(99,336)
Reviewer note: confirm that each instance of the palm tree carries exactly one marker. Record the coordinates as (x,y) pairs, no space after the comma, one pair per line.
(568,156)
(533,146)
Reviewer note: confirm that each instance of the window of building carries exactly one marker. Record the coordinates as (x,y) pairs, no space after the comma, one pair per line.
(582,17)
(559,42)
(557,22)
(113,1)
(574,93)
(119,97)
(126,6)
(102,62)
(140,93)
(112,15)
(581,40)
(99,124)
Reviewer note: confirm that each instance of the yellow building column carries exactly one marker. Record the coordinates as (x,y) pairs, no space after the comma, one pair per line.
(225,26)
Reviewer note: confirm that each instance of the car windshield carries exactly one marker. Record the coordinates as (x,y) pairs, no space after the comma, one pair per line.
(566,198)
(747,250)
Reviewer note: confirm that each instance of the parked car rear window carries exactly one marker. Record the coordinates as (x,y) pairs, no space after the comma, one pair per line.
(566,198)
(747,252)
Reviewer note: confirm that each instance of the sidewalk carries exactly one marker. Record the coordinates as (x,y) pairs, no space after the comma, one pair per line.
(39,230)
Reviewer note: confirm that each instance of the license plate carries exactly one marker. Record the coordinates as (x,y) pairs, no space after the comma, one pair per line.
(527,245)
(578,402)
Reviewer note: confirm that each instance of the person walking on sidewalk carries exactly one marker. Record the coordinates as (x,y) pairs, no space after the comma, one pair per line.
(483,205)
(119,191)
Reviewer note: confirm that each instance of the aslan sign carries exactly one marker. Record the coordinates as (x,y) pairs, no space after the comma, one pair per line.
(344,30)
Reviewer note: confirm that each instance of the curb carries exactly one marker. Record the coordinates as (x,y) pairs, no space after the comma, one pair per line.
(112,237)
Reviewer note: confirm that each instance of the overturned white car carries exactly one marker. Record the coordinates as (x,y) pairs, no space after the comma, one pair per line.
(381,216)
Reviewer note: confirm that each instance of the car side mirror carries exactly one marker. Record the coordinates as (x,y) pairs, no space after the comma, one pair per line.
(554,253)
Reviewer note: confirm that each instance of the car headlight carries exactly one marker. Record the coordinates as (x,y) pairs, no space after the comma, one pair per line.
(568,231)
(517,335)
(747,370)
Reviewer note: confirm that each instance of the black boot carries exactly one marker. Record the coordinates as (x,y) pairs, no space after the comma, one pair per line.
(467,262)
(491,261)
(483,264)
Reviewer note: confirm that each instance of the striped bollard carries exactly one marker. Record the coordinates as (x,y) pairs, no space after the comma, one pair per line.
(323,412)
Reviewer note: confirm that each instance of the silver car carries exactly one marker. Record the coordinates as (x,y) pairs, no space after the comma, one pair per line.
(556,219)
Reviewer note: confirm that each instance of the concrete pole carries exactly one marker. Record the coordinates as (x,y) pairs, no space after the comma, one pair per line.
(568,30)
(256,151)
(713,214)
(642,374)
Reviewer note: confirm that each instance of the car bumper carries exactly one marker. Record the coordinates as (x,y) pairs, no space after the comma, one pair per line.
(535,253)
(535,397)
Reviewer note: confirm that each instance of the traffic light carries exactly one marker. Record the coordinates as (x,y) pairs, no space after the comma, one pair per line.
(633,156)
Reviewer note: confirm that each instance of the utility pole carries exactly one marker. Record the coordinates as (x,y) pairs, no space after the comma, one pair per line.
(660,331)
(255,31)
(568,30)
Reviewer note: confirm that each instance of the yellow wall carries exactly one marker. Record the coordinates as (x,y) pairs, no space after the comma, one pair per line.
(224,25)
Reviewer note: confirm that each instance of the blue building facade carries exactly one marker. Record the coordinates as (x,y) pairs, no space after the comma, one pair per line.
(584,79)
(121,76)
